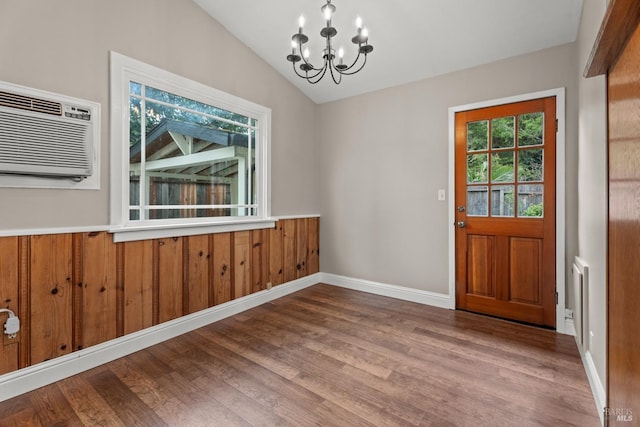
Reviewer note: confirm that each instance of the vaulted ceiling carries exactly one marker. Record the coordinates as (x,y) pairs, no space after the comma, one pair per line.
(412,39)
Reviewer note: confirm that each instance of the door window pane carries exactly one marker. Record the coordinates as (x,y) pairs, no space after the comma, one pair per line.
(530,201)
(530,165)
(477,168)
(502,200)
(530,129)
(477,201)
(502,166)
(503,132)
(478,135)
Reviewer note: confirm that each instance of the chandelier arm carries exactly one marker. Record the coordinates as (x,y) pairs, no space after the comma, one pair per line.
(324,71)
(307,62)
(295,70)
(332,68)
(352,64)
(350,73)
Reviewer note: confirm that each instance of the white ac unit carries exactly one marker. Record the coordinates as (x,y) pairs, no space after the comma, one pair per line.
(45,137)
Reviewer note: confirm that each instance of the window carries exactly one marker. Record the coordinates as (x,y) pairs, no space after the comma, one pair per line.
(184,155)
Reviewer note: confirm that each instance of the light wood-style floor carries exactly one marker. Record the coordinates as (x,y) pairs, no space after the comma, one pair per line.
(332,357)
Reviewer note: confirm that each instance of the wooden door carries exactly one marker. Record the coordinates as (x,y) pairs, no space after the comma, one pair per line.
(505,211)
(623,311)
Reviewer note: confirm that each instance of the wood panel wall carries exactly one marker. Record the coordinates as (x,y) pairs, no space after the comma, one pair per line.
(76,290)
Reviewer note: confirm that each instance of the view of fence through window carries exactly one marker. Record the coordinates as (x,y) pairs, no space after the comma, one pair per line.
(188,159)
(505,174)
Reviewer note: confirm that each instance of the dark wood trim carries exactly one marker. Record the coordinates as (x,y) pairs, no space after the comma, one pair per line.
(619,23)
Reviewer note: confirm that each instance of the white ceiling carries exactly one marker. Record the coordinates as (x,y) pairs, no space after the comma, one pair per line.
(412,39)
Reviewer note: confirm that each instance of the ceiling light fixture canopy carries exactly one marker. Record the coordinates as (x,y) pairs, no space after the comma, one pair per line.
(313,75)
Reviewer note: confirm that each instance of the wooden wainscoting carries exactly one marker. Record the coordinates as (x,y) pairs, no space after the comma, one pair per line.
(76,290)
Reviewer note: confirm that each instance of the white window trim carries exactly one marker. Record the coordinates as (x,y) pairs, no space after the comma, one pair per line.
(123,69)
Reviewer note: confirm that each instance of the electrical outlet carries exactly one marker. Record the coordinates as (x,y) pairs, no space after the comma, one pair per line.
(568,314)
(269,285)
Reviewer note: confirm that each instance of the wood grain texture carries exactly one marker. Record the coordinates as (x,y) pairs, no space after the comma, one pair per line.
(51,296)
(97,280)
(222,268)
(619,23)
(276,266)
(313,233)
(9,298)
(481,268)
(259,260)
(302,247)
(525,270)
(73,291)
(196,279)
(494,276)
(138,285)
(289,249)
(241,264)
(331,356)
(170,269)
(623,347)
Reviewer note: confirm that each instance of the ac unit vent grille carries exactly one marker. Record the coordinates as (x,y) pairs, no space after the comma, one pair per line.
(28,103)
(43,145)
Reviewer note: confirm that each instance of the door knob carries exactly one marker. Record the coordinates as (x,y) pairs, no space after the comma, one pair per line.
(462,224)
(461,209)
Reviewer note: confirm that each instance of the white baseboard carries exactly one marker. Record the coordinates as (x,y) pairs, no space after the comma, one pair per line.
(569,327)
(597,388)
(393,291)
(36,376)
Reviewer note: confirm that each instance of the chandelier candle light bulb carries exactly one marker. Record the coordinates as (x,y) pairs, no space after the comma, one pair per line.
(312,74)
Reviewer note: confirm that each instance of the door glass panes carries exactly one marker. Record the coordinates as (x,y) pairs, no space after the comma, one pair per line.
(502,166)
(503,132)
(496,170)
(530,165)
(502,200)
(478,136)
(530,129)
(477,201)
(530,201)
(477,168)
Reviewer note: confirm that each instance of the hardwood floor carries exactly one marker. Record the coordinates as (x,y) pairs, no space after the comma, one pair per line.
(330,356)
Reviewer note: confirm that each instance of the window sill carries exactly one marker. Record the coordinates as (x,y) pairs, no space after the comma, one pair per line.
(161,231)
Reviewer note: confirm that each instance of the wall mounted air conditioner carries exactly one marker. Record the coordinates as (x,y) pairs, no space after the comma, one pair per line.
(46,136)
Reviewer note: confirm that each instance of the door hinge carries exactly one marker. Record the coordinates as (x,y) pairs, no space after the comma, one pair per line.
(556,297)
(556,125)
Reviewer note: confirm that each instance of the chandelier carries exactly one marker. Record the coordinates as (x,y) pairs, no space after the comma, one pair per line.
(312,74)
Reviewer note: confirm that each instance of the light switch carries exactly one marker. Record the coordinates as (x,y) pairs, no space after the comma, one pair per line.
(442,194)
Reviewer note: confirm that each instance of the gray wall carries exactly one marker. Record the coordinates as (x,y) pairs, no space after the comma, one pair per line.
(63,46)
(592,183)
(382,156)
